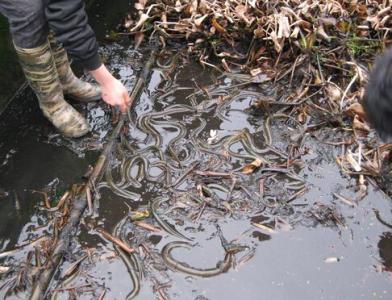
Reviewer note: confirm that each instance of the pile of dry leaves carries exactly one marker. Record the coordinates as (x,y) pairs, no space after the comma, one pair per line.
(319,51)
(247,33)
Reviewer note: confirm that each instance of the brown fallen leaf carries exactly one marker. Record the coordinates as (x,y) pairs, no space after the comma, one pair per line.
(241,11)
(218,26)
(360,127)
(253,166)
(356,109)
(333,92)
(256,71)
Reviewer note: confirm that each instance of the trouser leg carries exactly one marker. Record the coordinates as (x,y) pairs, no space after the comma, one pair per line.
(27,22)
(30,35)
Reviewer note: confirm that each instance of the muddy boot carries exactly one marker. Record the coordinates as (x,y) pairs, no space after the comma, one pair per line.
(40,70)
(72,86)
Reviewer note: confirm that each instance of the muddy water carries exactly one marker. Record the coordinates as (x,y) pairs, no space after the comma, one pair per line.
(310,258)
(307,255)
(311,247)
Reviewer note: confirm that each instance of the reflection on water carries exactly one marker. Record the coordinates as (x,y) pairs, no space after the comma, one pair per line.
(385,250)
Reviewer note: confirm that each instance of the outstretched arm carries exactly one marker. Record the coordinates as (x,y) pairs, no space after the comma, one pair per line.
(68,20)
(113,91)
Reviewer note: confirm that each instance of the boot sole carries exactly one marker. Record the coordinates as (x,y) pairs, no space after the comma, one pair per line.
(75,136)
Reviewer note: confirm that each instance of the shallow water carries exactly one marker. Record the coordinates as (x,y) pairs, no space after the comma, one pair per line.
(288,264)
(304,258)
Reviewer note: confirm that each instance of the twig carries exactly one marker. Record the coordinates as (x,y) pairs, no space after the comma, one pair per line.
(73,287)
(116,241)
(347,89)
(147,226)
(89,201)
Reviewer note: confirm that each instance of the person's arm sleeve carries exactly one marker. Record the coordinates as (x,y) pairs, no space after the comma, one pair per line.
(68,20)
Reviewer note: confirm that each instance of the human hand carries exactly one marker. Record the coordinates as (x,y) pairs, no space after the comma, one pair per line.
(114,92)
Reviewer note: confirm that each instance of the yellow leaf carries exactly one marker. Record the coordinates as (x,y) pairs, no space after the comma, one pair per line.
(218,26)
(253,166)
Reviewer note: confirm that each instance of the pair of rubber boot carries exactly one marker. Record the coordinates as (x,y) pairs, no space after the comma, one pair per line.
(49,74)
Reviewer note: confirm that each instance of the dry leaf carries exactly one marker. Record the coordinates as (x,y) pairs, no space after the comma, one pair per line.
(226,65)
(199,21)
(255,72)
(328,21)
(192,7)
(253,166)
(356,165)
(264,227)
(284,27)
(361,126)
(217,26)
(260,78)
(252,3)
(278,42)
(241,11)
(321,32)
(143,18)
(356,109)
(333,92)
(179,7)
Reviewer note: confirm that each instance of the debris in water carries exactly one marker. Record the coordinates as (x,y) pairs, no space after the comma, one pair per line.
(332,260)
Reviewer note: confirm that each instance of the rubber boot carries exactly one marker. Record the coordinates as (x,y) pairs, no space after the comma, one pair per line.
(41,73)
(73,87)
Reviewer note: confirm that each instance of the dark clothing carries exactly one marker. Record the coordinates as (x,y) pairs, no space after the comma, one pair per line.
(27,21)
(30,21)
(68,20)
